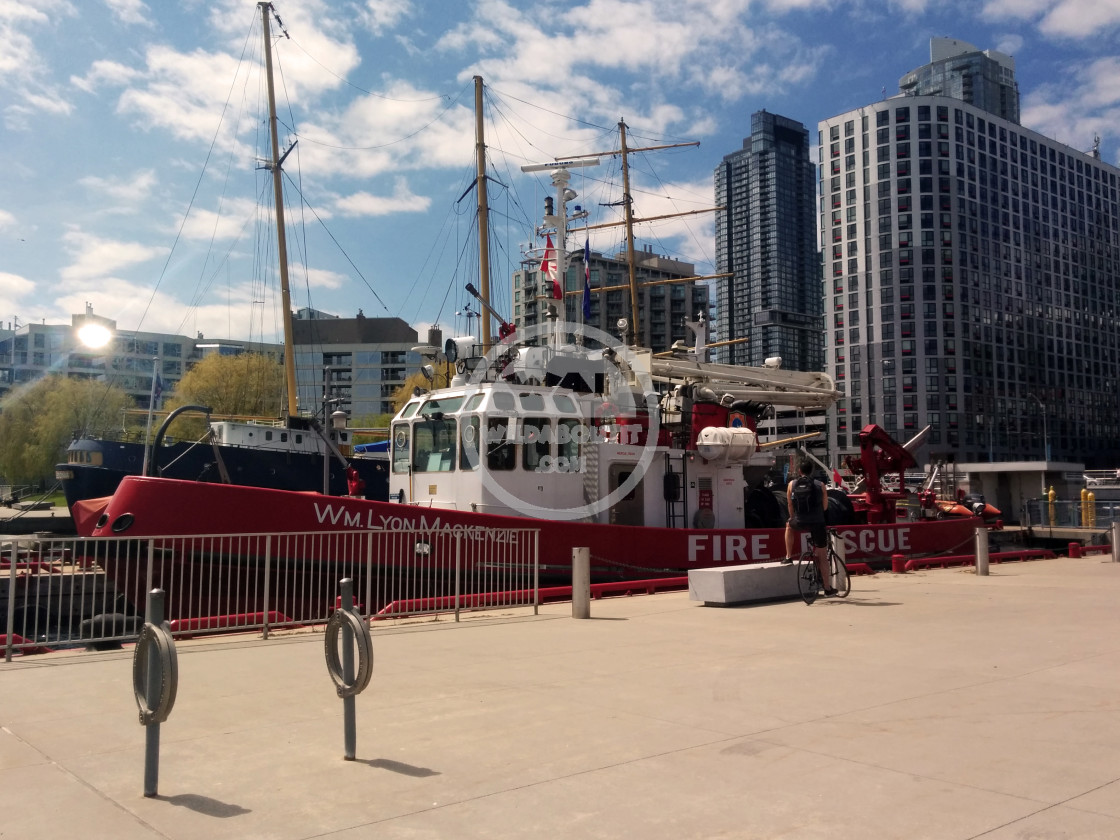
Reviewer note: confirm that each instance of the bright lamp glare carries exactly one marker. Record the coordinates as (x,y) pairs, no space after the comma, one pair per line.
(94,335)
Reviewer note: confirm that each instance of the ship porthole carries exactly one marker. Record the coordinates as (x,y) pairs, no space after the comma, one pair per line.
(102,520)
(122,523)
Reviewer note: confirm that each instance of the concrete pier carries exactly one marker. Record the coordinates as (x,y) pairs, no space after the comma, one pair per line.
(936,704)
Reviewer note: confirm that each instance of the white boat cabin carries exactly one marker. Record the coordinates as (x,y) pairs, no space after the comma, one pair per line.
(552,453)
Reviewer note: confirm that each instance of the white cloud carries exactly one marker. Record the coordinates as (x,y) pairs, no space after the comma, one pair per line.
(94,257)
(403,200)
(236,217)
(1074,110)
(6,219)
(22,67)
(14,286)
(380,15)
(1062,18)
(104,72)
(318,278)
(129,11)
(131,190)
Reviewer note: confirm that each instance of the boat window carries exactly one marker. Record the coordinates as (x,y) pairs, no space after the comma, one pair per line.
(299,438)
(475,401)
(468,452)
(409,410)
(501,452)
(448,405)
(400,448)
(536,436)
(564,403)
(283,437)
(569,434)
(433,445)
(504,401)
(532,402)
(268,435)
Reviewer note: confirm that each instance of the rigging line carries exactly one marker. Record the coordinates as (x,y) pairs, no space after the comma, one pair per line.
(440,236)
(437,118)
(340,248)
(362,89)
(299,168)
(546,110)
(688,227)
(458,265)
(198,183)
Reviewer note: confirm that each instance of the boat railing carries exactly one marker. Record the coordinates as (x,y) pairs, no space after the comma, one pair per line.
(90,592)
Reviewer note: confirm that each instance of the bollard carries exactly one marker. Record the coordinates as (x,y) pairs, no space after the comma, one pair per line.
(354,632)
(1075,550)
(581,583)
(898,564)
(1115,541)
(155,681)
(981,551)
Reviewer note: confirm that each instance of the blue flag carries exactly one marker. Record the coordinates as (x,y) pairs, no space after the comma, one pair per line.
(586,279)
(157,389)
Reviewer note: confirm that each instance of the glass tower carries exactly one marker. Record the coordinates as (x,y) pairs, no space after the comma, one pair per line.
(765,238)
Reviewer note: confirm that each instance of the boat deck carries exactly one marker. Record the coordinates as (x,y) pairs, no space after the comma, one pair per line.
(932,704)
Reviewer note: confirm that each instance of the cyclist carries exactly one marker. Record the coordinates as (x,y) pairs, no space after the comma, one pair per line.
(807,500)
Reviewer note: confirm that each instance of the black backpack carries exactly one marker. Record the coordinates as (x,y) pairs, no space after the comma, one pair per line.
(806,496)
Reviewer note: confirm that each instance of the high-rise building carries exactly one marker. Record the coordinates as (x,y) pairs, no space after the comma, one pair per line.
(959,70)
(972,283)
(766,239)
(663,305)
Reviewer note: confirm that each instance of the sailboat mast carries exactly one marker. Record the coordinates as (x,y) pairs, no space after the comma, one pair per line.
(628,205)
(281,239)
(483,213)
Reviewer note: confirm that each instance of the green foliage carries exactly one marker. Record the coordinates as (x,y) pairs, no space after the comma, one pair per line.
(441,378)
(370,421)
(39,421)
(247,384)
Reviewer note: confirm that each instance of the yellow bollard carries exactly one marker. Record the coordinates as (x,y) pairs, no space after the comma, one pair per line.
(1091,501)
(1084,505)
(1051,496)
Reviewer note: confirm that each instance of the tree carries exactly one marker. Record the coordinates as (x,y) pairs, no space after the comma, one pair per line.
(247,384)
(39,421)
(440,379)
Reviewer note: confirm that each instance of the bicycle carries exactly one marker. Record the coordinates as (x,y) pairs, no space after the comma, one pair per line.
(808,577)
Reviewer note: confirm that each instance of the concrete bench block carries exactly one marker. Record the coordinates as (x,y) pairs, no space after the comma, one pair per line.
(723,586)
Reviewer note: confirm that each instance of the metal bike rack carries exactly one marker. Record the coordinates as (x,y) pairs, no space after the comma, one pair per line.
(155,682)
(354,630)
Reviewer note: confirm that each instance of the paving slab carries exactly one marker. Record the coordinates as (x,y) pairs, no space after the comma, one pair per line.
(934,704)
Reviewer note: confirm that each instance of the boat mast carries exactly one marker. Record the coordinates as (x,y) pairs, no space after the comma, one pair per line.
(281,239)
(628,207)
(483,214)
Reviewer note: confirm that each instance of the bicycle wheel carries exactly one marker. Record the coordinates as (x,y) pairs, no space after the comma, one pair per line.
(808,578)
(840,577)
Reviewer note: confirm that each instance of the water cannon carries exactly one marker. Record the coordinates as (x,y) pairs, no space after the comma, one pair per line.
(505,329)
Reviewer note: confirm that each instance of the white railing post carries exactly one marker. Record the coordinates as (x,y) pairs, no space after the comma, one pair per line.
(267,580)
(981,550)
(536,572)
(11,603)
(1115,541)
(458,569)
(581,583)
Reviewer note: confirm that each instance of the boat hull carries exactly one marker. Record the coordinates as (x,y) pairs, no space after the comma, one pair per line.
(114,460)
(158,508)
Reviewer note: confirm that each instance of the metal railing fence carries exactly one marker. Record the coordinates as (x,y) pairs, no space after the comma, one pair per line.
(88,592)
(1040,513)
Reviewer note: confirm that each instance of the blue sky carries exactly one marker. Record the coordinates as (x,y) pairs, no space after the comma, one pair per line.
(111,109)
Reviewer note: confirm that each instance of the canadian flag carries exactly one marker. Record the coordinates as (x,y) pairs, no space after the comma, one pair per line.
(548,267)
